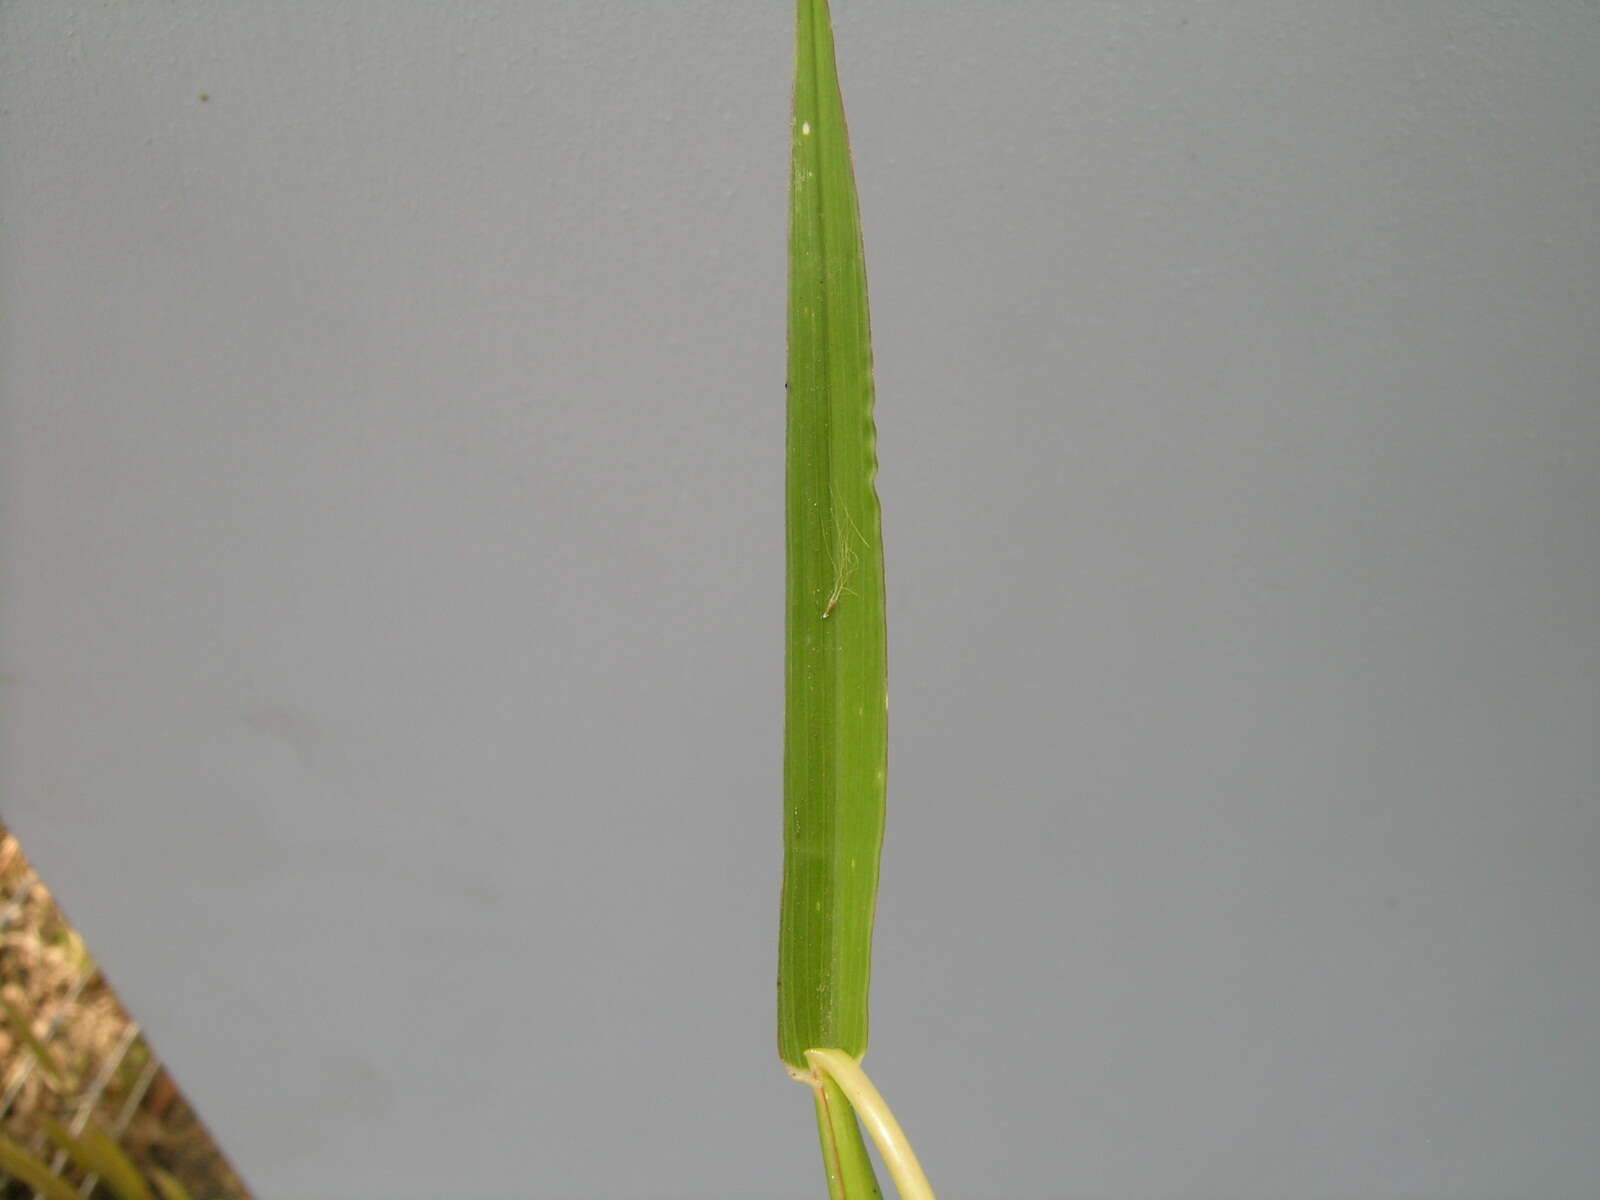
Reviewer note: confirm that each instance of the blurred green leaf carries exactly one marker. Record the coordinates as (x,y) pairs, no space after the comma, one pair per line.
(169,1187)
(18,1163)
(95,1152)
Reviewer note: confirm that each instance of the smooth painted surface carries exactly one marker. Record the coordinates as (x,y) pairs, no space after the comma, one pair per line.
(391,583)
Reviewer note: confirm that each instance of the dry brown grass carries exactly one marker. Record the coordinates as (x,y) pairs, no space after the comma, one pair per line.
(97,1066)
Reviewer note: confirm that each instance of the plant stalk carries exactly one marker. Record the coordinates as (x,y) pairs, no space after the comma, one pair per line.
(833,1068)
(844,1153)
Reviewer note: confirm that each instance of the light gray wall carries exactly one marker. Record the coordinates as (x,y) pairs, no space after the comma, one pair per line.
(390,582)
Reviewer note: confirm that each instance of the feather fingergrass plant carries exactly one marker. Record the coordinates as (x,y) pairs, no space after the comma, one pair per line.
(836,676)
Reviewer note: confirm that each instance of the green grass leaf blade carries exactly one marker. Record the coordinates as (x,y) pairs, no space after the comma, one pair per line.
(836,723)
(25,1168)
(169,1187)
(95,1152)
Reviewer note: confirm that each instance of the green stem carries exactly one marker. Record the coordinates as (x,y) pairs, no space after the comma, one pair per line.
(836,1069)
(844,1154)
